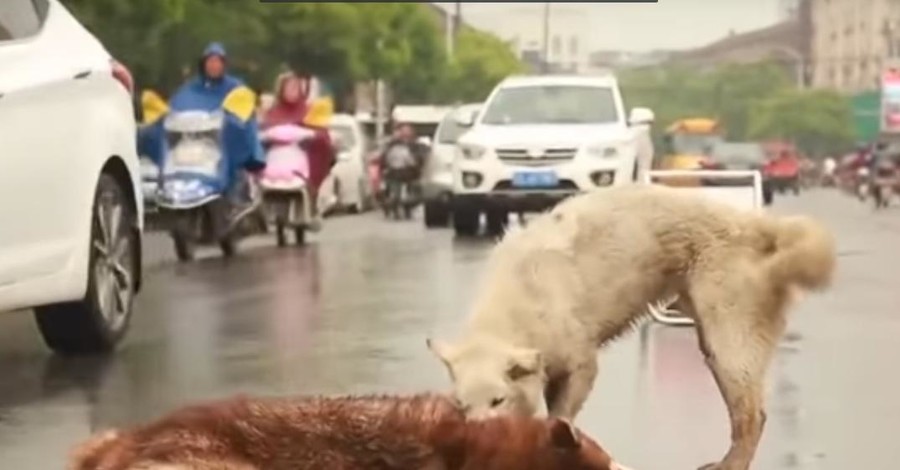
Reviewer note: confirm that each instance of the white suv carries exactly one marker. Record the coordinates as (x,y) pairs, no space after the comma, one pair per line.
(70,195)
(538,140)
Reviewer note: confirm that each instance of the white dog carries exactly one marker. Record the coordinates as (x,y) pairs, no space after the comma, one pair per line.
(584,273)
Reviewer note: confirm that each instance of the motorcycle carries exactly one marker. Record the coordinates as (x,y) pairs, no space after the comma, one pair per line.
(883,184)
(862,183)
(401,182)
(401,195)
(195,204)
(285,182)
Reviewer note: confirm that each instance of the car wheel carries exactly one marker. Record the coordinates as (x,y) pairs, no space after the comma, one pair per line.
(465,222)
(767,195)
(436,215)
(99,321)
(497,220)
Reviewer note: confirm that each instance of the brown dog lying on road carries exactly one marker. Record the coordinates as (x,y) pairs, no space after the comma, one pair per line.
(424,432)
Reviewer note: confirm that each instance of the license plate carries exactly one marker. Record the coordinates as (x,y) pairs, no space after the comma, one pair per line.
(535,179)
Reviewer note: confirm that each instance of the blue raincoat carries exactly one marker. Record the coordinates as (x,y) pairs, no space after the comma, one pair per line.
(241,146)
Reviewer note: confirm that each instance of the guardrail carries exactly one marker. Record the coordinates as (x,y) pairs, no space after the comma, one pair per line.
(663,311)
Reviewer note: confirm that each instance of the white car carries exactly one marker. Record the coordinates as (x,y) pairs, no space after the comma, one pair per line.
(437,184)
(346,188)
(71,209)
(539,139)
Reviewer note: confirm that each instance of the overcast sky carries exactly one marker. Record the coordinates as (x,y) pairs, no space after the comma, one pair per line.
(668,24)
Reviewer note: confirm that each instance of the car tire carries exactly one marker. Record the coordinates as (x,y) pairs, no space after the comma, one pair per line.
(99,321)
(497,221)
(767,195)
(465,222)
(436,215)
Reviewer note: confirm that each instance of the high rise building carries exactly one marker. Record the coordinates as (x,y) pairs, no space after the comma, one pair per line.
(853,40)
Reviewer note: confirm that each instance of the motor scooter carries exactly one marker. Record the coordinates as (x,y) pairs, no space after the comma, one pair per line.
(862,183)
(883,183)
(285,182)
(196,204)
(401,182)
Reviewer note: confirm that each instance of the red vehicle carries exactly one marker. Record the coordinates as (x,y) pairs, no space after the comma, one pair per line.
(783,167)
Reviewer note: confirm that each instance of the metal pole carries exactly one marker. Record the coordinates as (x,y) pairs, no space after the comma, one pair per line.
(455,24)
(546,64)
(450,24)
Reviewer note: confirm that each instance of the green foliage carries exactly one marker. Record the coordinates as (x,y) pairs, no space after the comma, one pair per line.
(818,121)
(754,101)
(479,62)
(402,43)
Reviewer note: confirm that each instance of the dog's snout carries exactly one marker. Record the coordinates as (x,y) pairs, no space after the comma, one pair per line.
(461,406)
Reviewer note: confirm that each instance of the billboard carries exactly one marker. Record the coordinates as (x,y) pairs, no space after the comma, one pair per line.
(890,100)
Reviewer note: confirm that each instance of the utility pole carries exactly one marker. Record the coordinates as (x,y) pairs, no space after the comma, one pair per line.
(546,63)
(453,23)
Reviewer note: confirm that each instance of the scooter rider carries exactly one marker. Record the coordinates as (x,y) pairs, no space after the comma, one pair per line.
(290,107)
(213,88)
(403,157)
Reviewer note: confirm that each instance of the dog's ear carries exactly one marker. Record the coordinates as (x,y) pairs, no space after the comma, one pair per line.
(441,349)
(563,435)
(524,362)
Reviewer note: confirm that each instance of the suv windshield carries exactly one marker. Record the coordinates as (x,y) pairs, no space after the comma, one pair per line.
(694,144)
(552,104)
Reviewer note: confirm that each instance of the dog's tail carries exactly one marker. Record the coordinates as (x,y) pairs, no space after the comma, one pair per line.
(804,252)
(97,453)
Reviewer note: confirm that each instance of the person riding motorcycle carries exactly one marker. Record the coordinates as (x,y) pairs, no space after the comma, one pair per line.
(403,157)
(882,170)
(211,89)
(291,107)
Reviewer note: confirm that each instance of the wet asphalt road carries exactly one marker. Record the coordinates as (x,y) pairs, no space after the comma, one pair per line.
(351,313)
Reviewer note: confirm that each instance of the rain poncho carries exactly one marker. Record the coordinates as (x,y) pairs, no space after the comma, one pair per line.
(319,148)
(240,135)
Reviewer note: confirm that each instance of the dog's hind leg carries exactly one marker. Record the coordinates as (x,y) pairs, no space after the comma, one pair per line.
(738,340)
(566,395)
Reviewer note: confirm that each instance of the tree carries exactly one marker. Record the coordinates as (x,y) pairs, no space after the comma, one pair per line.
(818,121)
(401,43)
(479,62)
(726,93)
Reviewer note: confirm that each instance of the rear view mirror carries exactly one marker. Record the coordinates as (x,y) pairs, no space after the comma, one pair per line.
(641,116)
(465,119)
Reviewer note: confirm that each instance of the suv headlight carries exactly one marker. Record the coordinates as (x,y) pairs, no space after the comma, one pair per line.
(471,152)
(602,151)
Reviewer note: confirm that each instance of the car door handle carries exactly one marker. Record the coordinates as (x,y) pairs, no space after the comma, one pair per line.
(81,75)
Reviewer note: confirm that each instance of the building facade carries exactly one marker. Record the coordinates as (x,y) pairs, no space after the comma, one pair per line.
(786,42)
(853,40)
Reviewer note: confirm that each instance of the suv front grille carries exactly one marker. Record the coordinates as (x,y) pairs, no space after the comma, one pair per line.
(550,156)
